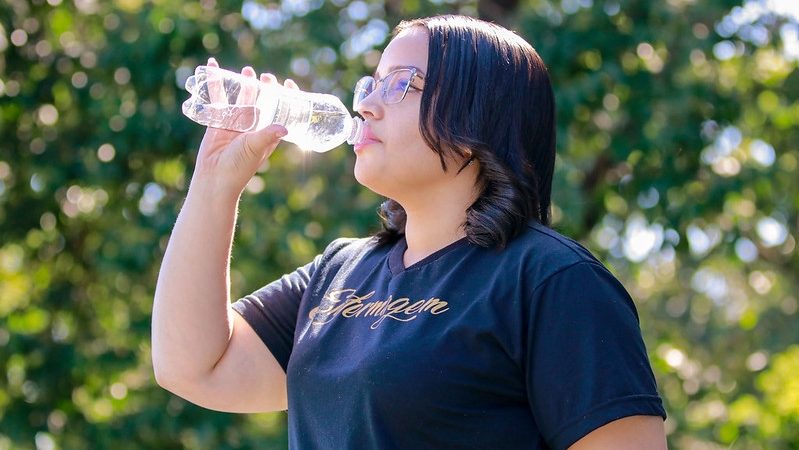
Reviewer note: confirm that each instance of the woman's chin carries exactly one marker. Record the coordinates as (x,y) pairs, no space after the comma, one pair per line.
(369,178)
(362,173)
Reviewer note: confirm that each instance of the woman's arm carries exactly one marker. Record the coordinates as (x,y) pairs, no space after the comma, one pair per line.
(201,349)
(629,433)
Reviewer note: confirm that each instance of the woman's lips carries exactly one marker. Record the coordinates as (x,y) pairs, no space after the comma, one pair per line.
(364,143)
(367,139)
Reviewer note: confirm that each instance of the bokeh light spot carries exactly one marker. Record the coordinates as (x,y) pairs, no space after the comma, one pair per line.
(48,115)
(106,152)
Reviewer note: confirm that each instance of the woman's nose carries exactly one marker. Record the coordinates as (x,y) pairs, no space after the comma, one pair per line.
(370,107)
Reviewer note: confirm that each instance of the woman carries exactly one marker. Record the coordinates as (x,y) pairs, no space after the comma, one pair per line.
(465,323)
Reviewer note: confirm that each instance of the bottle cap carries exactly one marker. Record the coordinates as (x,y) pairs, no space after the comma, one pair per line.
(357,131)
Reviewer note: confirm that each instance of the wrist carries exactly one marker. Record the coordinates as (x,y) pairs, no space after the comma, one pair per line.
(213,187)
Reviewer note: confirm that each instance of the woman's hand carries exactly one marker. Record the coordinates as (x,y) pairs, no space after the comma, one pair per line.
(229,159)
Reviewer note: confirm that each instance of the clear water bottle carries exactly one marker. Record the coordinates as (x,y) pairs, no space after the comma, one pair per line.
(224,99)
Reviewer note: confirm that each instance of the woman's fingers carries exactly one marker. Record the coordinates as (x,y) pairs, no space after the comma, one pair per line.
(246,96)
(271,79)
(289,83)
(249,89)
(245,115)
(216,90)
(268,78)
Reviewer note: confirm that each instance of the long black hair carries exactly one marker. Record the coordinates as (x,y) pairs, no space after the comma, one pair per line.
(487,94)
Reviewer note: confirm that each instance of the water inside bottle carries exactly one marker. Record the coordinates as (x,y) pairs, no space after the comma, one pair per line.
(313,125)
(228,117)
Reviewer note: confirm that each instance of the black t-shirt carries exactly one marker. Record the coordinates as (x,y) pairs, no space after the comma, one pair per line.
(530,347)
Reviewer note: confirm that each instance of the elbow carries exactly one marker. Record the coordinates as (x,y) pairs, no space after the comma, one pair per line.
(171,378)
(189,389)
(162,374)
(165,371)
(171,382)
(160,377)
(166,375)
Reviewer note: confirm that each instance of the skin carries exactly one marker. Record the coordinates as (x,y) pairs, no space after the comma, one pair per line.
(211,356)
(404,168)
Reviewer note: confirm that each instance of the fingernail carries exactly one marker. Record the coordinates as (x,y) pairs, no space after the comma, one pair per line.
(212,60)
(281,132)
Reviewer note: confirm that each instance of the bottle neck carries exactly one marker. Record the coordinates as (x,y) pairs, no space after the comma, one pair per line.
(356,134)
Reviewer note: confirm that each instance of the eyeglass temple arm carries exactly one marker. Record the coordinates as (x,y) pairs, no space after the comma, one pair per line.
(417,81)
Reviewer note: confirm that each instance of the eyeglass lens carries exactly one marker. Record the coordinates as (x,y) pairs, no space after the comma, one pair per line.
(395,86)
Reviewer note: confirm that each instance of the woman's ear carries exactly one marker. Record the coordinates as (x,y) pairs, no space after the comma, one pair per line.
(468,161)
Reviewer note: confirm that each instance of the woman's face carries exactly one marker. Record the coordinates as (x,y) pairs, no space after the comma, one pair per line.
(397,163)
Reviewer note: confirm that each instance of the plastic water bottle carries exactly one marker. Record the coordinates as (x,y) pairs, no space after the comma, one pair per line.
(224,99)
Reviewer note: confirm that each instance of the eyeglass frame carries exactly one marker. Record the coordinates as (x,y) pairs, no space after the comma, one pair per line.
(413,82)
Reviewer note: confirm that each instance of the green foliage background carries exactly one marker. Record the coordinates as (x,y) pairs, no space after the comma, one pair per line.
(677,165)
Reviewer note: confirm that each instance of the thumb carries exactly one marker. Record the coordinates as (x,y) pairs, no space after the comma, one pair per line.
(261,143)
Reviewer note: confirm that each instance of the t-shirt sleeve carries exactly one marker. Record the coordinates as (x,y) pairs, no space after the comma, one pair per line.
(586,363)
(272,310)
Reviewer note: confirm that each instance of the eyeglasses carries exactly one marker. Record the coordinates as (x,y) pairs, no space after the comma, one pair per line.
(395,86)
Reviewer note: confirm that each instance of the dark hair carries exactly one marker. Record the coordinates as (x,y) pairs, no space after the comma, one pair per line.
(487,94)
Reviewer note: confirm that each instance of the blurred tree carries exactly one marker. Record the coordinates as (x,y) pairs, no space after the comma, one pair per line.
(678,130)
(678,166)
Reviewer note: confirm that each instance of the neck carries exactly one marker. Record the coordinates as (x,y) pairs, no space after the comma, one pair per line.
(426,234)
(436,221)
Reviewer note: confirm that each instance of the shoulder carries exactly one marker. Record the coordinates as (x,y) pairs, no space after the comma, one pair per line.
(568,277)
(543,253)
(547,241)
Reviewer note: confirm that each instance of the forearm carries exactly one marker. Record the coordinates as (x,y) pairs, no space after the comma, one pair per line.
(191,322)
